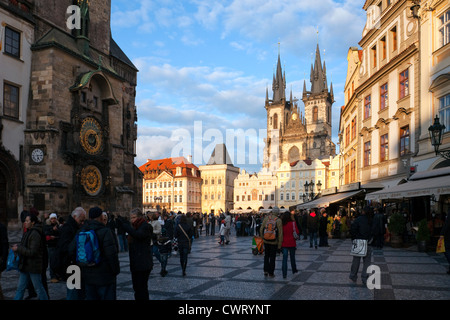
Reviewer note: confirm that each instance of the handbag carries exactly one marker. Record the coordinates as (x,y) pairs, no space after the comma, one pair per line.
(359,248)
(294,233)
(440,248)
(186,236)
(13,261)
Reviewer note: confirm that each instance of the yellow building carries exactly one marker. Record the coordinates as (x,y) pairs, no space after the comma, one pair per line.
(388,92)
(218,182)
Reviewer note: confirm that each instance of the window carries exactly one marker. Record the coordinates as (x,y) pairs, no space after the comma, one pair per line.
(374,56)
(444,111)
(367,150)
(384,147)
(404,84)
(354,128)
(394,38)
(404,140)
(10,101)
(383,48)
(315,114)
(353,171)
(347,174)
(287,196)
(347,136)
(237,198)
(383,96)
(444,28)
(275,121)
(181,198)
(12,42)
(367,107)
(281,196)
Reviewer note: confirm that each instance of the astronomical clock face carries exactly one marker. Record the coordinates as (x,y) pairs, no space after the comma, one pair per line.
(91,136)
(91,180)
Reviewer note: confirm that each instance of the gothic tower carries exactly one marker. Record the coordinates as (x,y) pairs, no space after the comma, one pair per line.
(318,102)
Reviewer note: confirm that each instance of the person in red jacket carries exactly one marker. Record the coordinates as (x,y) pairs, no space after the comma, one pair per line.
(289,244)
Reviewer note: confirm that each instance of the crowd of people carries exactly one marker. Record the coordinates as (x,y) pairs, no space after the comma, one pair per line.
(52,244)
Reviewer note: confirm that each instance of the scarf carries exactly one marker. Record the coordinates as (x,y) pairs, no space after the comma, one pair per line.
(136,224)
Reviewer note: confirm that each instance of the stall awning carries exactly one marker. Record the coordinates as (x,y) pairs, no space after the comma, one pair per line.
(325,201)
(429,183)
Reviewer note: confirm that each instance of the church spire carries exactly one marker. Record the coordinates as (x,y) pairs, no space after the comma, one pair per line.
(318,76)
(279,83)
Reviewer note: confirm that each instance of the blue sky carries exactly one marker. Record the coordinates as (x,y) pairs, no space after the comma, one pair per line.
(204,67)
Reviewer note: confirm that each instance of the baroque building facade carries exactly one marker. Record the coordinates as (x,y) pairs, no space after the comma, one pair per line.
(80,121)
(171,184)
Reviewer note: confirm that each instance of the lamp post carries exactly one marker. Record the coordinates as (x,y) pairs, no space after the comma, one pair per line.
(319,186)
(436,132)
(305,195)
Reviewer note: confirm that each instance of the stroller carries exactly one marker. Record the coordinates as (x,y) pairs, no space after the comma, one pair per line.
(257,245)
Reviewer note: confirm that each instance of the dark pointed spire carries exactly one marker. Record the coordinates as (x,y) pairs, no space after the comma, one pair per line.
(279,83)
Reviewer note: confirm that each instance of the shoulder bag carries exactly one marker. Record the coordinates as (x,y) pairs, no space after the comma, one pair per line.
(359,248)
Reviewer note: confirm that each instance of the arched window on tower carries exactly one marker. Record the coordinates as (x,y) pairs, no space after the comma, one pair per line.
(275,121)
(315,114)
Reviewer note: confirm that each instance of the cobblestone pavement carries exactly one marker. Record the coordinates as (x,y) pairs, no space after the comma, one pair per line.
(232,272)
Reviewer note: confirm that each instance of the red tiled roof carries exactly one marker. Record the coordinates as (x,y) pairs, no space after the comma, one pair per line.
(169,164)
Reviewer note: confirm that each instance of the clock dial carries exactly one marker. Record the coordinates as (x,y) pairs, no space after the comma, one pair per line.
(91,179)
(91,136)
(37,155)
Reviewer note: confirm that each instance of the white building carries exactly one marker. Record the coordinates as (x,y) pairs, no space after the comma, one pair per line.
(16,37)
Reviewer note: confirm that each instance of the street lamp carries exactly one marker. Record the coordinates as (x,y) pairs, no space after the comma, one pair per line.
(157,198)
(305,195)
(319,186)
(436,132)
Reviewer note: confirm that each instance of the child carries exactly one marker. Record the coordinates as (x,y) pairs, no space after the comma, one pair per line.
(222,232)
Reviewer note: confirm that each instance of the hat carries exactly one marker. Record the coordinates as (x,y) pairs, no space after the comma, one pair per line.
(275,210)
(53,215)
(95,212)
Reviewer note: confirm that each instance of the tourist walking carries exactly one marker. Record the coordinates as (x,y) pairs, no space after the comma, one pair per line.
(445,233)
(323,226)
(52,234)
(272,233)
(63,258)
(100,279)
(32,258)
(378,229)
(156,226)
(313,226)
(361,229)
(4,250)
(139,250)
(184,233)
(165,242)
(289,244)
(227,227)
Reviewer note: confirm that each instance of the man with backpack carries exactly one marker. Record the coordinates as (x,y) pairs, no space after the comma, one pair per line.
(272,233)
(96,252)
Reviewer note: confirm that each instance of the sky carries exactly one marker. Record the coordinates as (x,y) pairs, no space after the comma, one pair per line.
(204,67)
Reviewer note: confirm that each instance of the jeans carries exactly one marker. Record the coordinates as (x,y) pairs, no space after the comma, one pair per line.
(107,292)
(156,253)
(291,252)
(36,279)
(184,251)
(366,263)
(123,242)
(270,254)
(313,236)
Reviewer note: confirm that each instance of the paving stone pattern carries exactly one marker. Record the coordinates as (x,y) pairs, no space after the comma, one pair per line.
(232,272)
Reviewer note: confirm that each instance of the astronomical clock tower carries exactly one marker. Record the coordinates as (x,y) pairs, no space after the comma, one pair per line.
(81,122)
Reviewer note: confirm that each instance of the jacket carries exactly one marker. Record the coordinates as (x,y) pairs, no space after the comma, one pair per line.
(179,234)
(62,258)
(32,251)
(279,240)
(139,245)
(105,272)
(312,222)
(361,228)
(288,235)
(4,247)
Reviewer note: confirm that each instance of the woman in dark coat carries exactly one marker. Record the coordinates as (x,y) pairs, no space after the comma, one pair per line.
(141,261)
(184,234)
(32,258)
